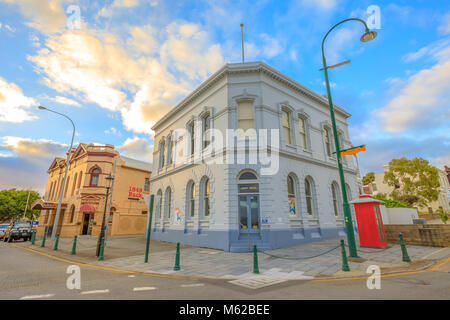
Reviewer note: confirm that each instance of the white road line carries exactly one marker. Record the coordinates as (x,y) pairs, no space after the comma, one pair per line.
(132,276)
(95,291)
(38,296)
(192,285)
(144,288)
(424,257)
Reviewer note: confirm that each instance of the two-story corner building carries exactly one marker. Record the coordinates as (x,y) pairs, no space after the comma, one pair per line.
(85,191)
(235,204)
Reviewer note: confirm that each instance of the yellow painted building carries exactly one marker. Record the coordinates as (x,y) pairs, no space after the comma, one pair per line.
(84,196)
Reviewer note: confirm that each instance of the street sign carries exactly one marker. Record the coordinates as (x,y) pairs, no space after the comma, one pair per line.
(35,223)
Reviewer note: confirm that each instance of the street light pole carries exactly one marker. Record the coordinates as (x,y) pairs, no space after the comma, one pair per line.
(368,36)
(65,174)
(102,231)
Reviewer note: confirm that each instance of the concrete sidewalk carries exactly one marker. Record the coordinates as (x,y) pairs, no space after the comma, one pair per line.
(127,253)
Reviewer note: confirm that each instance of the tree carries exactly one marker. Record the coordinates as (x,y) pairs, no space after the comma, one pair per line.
(368,178)
(13,202)
(415,182)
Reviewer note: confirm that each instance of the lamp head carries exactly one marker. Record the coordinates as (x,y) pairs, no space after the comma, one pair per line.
(42,108)
(368,36)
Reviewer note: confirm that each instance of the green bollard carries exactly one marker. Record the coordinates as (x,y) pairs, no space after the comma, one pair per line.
(33,237)
(74,246)
(102,249)
(345,266)
(255,259)
(43,239)
(55,247)
(177,258)
(405,256)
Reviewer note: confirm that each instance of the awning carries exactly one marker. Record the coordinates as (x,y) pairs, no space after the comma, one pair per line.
(41,204)
(87,208)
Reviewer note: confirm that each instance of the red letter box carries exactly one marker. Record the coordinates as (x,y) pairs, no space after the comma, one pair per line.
(370,224)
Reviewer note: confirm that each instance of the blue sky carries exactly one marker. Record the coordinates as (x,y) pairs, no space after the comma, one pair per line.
(130,61)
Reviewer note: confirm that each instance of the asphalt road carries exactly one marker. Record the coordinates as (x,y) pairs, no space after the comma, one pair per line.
(28,275)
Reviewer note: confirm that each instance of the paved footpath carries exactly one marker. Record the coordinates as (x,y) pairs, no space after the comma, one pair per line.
(307,261)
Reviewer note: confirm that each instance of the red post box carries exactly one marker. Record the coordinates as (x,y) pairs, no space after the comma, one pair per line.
(370,224)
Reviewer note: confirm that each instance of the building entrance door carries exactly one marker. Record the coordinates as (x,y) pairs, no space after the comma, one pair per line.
(249,213)
(86,219)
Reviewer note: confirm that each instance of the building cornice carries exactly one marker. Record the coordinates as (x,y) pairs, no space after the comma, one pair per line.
(242,68)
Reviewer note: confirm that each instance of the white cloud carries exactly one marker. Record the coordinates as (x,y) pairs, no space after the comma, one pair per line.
(13,103)
(113,131)
(320,4)
(423,100)
(45,15)
(444,28)
(63,100)
(138,148)
(108,11)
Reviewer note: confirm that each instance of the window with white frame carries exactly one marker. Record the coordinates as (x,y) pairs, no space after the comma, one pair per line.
(191,128)
(286,124)
(161,153)
(169,150)
(168,202)
(191,199)
(327,139)
(246,115)
(336,197)
(309,195)
(206,192)
(302,130)
(206,125)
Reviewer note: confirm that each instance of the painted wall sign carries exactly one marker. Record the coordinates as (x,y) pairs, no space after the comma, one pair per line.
(134,192)
(178,215)
(291,201)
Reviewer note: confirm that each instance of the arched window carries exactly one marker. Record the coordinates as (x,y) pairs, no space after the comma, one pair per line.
(302,130)
(66,186)
(74,184)
(169,150)
(94,177)
(167,202)
(161,153)
(327,137)
(286,122)
(291,194)
(192,200)
(72,213)
(205,195)
(158,204)
(336,197)
(310,196)
(206,124)
(79,179)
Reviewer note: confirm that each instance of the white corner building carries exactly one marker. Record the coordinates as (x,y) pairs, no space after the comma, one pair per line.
(232,202)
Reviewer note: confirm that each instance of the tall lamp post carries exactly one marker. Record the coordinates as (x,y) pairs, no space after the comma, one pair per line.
(65,174)
(109,180)
(367,36)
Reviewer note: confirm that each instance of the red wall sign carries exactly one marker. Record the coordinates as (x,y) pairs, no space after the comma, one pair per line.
(135,192)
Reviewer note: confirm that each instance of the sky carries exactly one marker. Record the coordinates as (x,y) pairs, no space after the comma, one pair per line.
(116,66)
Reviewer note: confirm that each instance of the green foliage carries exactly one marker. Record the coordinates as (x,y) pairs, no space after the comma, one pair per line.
(13,202)
(416,182)
(368,178)
(444,215)
(390,203)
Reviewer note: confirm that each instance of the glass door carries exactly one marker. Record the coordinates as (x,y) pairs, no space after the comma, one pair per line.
(249,213)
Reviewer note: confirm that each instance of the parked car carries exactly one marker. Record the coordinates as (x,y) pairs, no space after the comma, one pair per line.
(3,230)
(18,230)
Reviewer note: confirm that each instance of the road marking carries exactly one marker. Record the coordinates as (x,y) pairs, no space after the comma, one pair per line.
(131,276)
(144,289)
(38,296)
(192,285)
(95,291)
(430,254)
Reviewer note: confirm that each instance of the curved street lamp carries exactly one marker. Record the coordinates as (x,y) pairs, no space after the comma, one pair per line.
(367,36)
(65,174)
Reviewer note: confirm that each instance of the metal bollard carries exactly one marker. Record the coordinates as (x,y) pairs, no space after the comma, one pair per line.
(345,266)
(74,246)
(102,249)
(255,259)
(177,258)
(55,247)
(33,237)
(405,256)
(43,240)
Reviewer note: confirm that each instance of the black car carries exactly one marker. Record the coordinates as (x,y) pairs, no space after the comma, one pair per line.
(18,230)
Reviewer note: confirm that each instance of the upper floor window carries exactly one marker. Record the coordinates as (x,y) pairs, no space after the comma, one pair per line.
(326,134)
(66,187)
(79,179)
(206,124)
(147,185)
(302,130)
(169,150)
(161,153)
(246,115)
(192,135)
(74,184)
(286,123)
(335,196)
(94,177)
